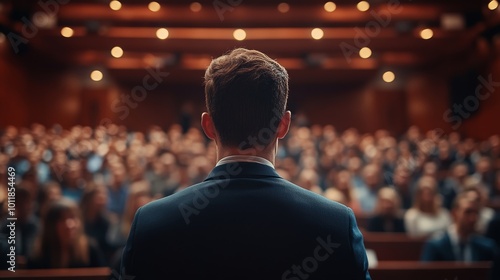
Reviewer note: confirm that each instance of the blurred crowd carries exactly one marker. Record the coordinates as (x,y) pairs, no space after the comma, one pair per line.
(77,189)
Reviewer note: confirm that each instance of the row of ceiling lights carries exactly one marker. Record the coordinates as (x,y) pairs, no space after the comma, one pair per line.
(387,76)
(240,34)
(284,7)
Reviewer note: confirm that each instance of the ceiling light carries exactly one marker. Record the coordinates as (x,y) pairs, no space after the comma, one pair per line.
(96,75)
(426,33)
(365,52)
(154,6)
(162,33)
(317,33)
(115,5)
(117,52)
(195,7)
(363,6)
(283,8)
(388,77)
(239,34)
(67,32)
(493,5)
(330,7)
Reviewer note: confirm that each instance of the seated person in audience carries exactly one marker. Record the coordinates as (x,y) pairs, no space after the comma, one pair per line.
(367,194)
(402,183)
(96,220)
(494,197)
(73,184)
(27,223)
(387,216)
(477,193)
(426,216)
(62,242)
(342,184)
(460,241)
(484,173)
(118,188)
(49,193)
(454,184)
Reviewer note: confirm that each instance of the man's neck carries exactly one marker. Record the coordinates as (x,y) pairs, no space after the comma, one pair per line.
(268,153)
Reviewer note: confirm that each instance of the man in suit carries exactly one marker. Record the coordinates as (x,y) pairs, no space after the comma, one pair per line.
(459,242)
(245,221)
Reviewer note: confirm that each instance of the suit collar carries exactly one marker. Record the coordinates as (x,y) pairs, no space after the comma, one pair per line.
(242,170)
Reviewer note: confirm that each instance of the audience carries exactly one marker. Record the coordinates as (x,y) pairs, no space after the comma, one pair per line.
(110,172)
(460,241)
(388,215)
(427,216)
(62,242)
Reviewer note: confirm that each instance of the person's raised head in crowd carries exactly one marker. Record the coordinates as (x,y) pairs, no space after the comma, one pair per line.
(460,241)
(27,224)
(426,216)
(455,182)
(388,215)
(477,192)
(260,213)
(402,183)
(96,220)
(62,242)
(367,194)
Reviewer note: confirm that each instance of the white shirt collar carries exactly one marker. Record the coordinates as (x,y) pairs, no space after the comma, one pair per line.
(245,158)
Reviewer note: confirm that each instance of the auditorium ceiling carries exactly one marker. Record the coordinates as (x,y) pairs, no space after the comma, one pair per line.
(317,41)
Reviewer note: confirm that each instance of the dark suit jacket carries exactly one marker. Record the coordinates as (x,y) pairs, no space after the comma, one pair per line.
(441,249)
(244,222)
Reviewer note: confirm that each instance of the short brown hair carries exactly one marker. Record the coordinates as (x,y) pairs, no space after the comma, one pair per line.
(246,94)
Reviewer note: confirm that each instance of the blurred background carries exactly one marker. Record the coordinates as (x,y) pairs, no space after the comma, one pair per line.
(431,54)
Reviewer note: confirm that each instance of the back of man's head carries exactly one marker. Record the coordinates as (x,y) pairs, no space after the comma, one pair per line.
(246,94)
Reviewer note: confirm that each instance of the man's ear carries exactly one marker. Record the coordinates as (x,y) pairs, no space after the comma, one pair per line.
(284,125)
(208,125)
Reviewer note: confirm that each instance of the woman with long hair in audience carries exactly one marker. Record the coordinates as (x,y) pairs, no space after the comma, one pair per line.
(388,213)
(96,220)
(426,216)
(62,242)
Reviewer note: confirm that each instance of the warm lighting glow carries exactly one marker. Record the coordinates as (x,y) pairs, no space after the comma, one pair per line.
(493,5)
(388,77)
(2,38)
(365,52)
(283,8)
(363,6)
(195,7)
(117,52)
(239,34)
(67,32)
(154,6)
(330,7)
(426,33)
(317,33)
(115,5)
(96,75)
(162,33)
